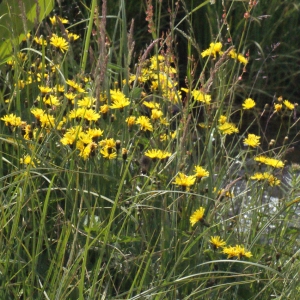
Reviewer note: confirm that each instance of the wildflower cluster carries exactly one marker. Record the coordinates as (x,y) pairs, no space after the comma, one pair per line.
(216,48)
(237,251)
(186,181)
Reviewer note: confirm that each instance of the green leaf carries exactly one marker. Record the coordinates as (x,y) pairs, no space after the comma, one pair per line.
(11,22)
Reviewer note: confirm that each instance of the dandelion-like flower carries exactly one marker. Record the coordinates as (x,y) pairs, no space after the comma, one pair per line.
(120,103)
(277,107)
(200,172)
(40,41)
(222,119)
(184,180)
(252,140)
(197,216)
(289,105)
(200,96)
(271,179)
(28,160)
(228,128)
(59,43)
(12,120)
(213,49)
(130,121)
(241,58)
(107,153)
(236,251)
(273,162)
(56,19)
(217,242)
(248,103)
(145,123)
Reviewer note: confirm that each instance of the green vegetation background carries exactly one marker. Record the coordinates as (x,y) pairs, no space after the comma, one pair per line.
(97,229)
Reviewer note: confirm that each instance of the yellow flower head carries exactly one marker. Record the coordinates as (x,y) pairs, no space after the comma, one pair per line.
(278,107)
(56,19)
(272,180)
(237,251)
(156,114)
(248,103)
(59,43)
(200,172)
(217,242)
(12,120)
(40,41)
(184,180)
(222,119)
(213,49)
(200,96)
(228,128)
(197,216)
(108,153)
(120,103)
(289,105)
(145,123)
(252,140)
(27,160)
(275,163)
(130,121)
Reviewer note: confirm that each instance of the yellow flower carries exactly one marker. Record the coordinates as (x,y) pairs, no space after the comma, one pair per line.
(213,49)
(120,103)
(151,105)
(197,216)
(91,115)
(47,120)
(72,36)
(130,121)
(153,153)
(222,119)
(104,109)
(108,153)
(51,100)
(12,120)
(44,89)
(86,102)
(40,41)
(156,114)
(200,96)
(184,180)
(200,172)
(59,43)
(94,133)
(288,104)
(27,160)
(87,150)
(156,153)
(272,180)
(252,140)
(238,251)
(145,123)
(108,143)
(278,107)
(37,112)
(228,128)
(242,59)
(54,20)
(217,242)
(270,161)
(248,103)
(257,176)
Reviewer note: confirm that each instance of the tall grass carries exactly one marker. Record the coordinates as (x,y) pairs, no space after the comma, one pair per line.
(96,131)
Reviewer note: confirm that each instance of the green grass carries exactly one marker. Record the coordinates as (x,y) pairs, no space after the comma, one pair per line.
(87,213)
